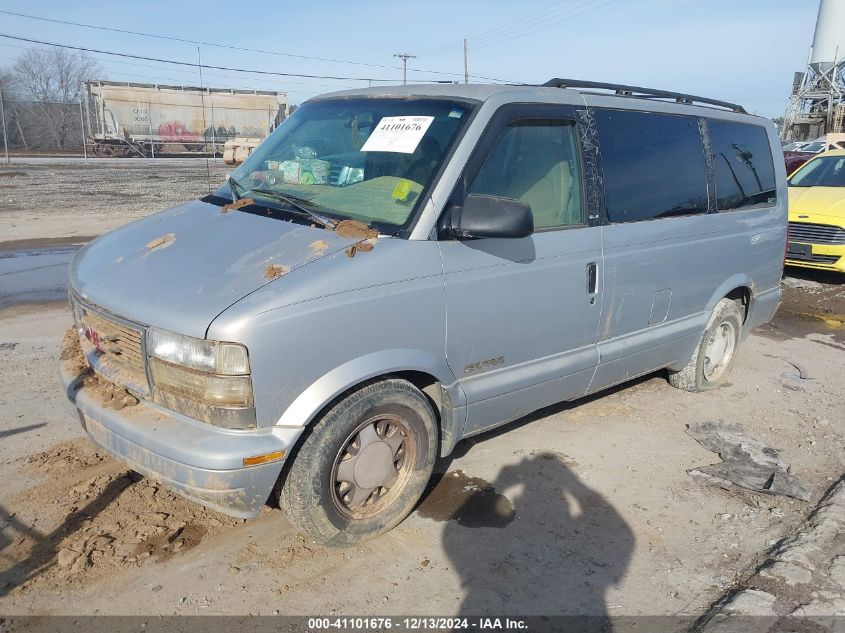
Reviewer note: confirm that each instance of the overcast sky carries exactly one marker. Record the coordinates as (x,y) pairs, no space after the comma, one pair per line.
(737,50)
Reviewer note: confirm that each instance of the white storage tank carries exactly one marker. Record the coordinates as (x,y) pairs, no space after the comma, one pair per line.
(829,39)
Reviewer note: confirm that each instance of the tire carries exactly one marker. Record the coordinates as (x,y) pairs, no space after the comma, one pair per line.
(721,337)
(379,416)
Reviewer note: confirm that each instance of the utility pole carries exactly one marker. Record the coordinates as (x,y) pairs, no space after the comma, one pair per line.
(404,57)
(466,63)
(5,132)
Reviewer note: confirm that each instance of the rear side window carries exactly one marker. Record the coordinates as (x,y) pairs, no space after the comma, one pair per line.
(653,165)
(743,166)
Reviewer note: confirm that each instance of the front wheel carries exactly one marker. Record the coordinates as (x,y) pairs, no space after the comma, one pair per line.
(715,354)
(364,464)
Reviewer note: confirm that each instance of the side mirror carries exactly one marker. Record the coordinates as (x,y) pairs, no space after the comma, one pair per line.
(491,216)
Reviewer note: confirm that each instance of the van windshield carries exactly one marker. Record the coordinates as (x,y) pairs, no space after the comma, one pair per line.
(362,159)
(825,171)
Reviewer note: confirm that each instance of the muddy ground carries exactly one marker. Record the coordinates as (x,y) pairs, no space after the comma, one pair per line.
(581,508)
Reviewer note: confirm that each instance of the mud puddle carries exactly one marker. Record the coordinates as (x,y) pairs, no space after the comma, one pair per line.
(788,324)
(470,501)
(91,517)
(812,304)
(34,275)
(44,242)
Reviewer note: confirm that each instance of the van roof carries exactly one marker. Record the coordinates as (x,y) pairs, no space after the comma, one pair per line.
(551,90)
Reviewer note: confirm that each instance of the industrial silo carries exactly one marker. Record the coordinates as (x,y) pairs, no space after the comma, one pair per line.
(829,39)
(817,105)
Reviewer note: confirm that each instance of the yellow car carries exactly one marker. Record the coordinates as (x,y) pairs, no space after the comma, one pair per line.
(817,213)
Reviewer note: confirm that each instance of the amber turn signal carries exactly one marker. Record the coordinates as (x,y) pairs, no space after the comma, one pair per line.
(255,460)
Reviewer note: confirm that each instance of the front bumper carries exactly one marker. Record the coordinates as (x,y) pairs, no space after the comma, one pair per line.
(823,257)
(199,461)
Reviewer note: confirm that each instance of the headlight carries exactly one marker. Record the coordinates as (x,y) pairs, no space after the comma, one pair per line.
(229,359)
(205,380)
(224,391)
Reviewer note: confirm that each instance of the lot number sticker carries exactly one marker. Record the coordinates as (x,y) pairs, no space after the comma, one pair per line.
(400,134)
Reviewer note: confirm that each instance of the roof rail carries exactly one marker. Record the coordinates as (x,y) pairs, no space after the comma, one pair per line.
(646,93)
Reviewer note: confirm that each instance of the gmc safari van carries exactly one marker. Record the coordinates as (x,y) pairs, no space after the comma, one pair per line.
(396,269)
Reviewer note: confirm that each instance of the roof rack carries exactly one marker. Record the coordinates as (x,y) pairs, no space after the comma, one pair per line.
(645,93)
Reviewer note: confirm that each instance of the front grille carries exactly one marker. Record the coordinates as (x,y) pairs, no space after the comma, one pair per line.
(114,347)
(816,233)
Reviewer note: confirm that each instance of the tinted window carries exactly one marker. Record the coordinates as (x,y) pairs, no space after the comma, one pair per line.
(742,162)
(653,165)
(535,162)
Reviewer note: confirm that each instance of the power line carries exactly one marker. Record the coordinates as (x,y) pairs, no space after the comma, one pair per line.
(517,33)
(241,48)
(108,61)
(513,23)
(239,70)
(195,65)
(550,16)
(195,42)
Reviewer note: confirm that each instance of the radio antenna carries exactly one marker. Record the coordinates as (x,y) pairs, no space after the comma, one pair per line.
(204,128)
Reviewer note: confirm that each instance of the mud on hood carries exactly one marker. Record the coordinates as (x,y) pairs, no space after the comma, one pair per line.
(182,267)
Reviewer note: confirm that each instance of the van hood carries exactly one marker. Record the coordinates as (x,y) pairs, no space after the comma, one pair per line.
(180,268)
(817,201)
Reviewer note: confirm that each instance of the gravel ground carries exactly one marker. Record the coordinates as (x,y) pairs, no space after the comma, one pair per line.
(583,508)
(48,199)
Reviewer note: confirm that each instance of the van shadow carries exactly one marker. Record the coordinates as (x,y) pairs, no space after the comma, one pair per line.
(535,541)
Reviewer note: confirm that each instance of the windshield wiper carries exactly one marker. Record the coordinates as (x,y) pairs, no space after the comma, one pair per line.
(299,205)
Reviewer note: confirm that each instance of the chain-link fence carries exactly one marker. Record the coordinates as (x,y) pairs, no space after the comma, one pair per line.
(41,128)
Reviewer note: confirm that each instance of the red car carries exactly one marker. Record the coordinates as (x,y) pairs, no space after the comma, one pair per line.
(794,159)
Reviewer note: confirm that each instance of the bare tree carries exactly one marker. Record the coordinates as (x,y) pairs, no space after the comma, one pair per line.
(54,79)
(7,80)
(7,90)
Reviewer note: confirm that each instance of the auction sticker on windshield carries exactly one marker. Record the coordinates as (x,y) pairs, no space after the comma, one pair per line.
(400,134)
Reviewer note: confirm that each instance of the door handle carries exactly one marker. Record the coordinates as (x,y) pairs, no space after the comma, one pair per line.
(592,281)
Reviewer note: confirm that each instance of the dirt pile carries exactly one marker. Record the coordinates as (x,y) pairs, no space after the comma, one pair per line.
(92,517)
(71,355)
(67,459)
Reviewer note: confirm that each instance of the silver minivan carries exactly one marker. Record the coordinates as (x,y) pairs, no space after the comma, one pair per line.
(396,269)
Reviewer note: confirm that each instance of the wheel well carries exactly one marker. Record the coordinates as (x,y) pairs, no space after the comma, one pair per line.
(742,297)
(429,385)
(426,383)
